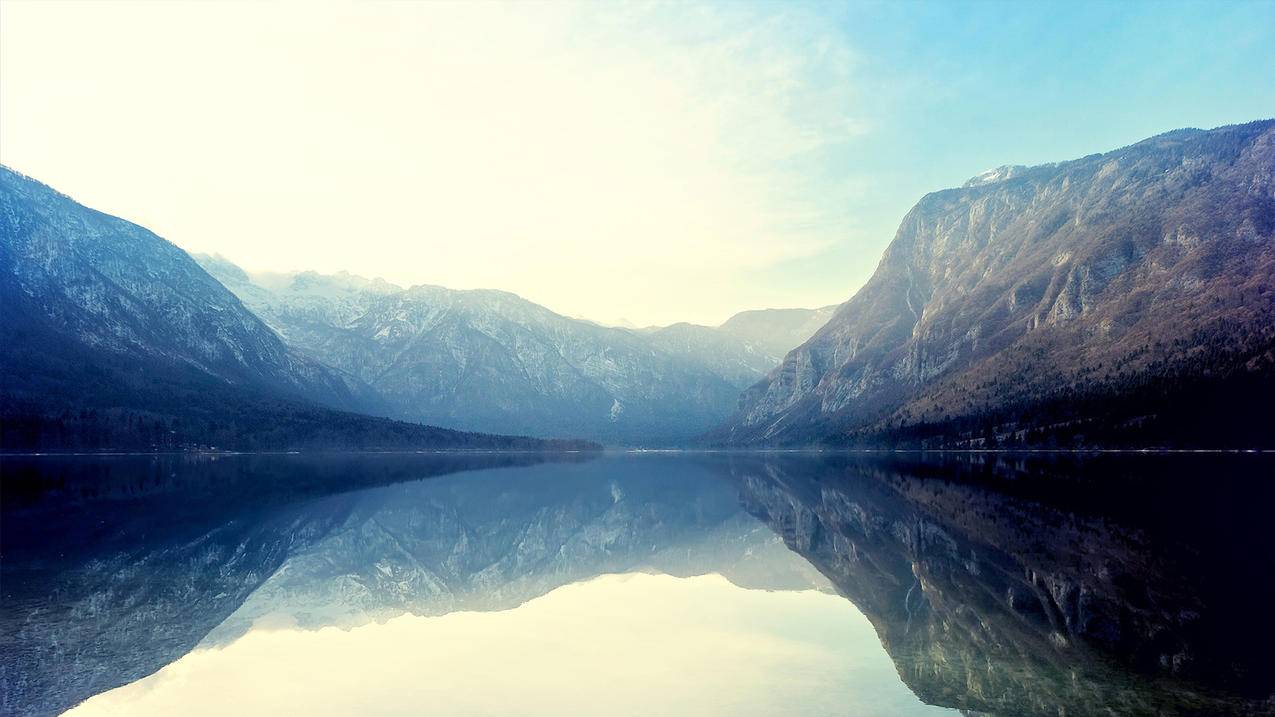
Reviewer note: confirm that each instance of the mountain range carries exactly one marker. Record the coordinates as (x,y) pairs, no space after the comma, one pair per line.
(487,360)
(1124,299)
(112,337)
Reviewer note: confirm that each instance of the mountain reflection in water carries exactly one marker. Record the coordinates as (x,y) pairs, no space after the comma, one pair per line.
(737,583)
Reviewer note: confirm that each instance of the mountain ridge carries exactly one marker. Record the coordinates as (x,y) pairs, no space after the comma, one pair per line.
(1066,304)
(490,360)
(114,338)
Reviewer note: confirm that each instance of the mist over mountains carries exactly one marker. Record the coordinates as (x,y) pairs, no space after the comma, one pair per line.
(1124,299)
(491,361)
(113,338)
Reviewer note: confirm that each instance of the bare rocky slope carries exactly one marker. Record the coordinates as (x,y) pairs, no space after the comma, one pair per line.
(492,361)
(1121,299)
(113,338)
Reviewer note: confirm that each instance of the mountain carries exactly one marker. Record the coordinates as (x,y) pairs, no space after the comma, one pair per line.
(489,360)
(81,533)
(776,331)
(492,361)
(112,337)
(1121,299)
(747,346)
(737,361)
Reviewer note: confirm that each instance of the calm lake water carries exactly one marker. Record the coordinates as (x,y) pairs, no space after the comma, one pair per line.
(637,584)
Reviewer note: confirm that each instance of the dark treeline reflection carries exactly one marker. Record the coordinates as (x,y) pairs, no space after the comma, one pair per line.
(998,584)
(1031,585)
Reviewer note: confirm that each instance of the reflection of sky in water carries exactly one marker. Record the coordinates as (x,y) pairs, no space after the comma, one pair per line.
(619,644)
(684,585)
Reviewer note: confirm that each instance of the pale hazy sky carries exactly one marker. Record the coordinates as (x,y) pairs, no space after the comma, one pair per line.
(653,162)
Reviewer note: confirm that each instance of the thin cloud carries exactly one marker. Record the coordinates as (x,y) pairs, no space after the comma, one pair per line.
(641,164)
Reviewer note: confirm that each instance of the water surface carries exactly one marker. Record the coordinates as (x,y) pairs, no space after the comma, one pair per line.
(685,584)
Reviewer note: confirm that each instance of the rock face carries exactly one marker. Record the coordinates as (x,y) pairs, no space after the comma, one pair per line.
(1126,298)
(111,337)
(492,361)
(1034,602)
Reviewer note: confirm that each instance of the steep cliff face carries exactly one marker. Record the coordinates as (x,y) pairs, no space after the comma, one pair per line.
(490,360)
(1030,297)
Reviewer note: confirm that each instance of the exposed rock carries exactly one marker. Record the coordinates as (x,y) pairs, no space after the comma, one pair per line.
(492,361)
(1103,287)
(113,338)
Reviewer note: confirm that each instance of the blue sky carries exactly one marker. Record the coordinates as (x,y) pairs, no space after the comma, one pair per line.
(652,162)
(955,88)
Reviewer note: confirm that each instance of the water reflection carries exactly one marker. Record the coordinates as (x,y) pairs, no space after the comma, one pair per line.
(632,644)
(688,584)
(1046,586)
(112,567)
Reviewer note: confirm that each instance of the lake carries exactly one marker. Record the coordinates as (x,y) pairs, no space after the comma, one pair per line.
(744,583)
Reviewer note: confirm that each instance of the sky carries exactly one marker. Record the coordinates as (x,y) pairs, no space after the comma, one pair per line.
(643,162)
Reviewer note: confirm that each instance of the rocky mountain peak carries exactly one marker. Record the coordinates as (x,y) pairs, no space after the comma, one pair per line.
(994,175)
(1139,279)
